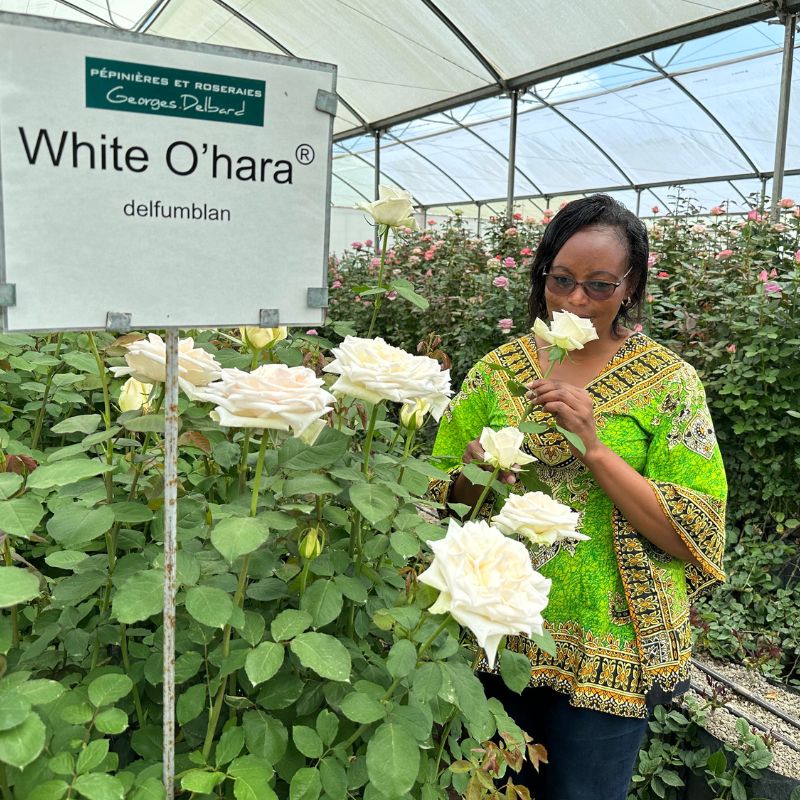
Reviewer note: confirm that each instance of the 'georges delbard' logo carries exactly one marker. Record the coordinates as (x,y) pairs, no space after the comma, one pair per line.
(147,89)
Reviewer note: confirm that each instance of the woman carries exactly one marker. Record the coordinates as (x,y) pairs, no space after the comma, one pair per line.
(650,488)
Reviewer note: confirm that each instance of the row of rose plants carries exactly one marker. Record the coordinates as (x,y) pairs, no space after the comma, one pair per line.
(327,629)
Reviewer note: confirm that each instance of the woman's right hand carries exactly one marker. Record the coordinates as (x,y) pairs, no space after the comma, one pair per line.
(474,452)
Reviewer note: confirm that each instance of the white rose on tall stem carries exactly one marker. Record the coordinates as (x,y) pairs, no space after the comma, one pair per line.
(147,362)
(372,370)
(273,396)
(393,208)
(539,518)
(486,582)
(503,449)
(567,331)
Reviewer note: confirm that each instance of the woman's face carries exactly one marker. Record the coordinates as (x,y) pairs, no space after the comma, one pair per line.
(592,254)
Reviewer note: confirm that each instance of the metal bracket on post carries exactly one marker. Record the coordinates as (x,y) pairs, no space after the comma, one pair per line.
(269,318)
(8,294)
(317,297)
(118,321)
(327,102)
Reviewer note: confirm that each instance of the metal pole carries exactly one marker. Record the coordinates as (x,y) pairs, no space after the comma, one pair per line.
(377,136)
(170,528)
(512,153)
(783,114)
(638,201)
(479,218)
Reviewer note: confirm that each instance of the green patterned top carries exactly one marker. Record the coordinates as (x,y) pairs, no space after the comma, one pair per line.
(619,606)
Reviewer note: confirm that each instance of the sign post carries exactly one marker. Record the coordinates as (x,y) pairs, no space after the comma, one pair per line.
(152,183)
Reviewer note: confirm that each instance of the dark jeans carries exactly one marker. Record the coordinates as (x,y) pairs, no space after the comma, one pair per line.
(591,754)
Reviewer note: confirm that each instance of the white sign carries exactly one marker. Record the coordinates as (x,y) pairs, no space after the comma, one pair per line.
(186,185)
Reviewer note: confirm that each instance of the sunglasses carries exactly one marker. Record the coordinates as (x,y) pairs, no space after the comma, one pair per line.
(597,290)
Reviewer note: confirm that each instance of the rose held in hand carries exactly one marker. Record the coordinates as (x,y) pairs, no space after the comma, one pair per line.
(503,449)
(273,396)
(567,331)
(486,582)
(539,518)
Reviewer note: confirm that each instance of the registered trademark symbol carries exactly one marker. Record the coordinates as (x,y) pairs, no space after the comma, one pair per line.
(304,153)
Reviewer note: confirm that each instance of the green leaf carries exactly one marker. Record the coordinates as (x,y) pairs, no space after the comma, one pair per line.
(9,484)
(64,473)
(573,439)
(305,784)
(717,763)
(362,708)
(209,605)
(21,745)
(530,479)
(150,789)
(323,654)
(112,721)
(427,681)
(392,759)
(670,778)
(544,641)
(40,692)
(140,596)
(307,741)
(516,389)
(148,423)
(13,710)
(327,726)
(289,624)
(83,423)
(532,427)
(237,536)
(266,737)
(334,778)
(471,699)
(375,502)
(20,516)
(515,669)
(323,601)
(476,474)
(17,586)
(191,703)
(92,756)
(229,746)
(65,559)
(49,790)
(131,513)
(402,658)
(263,662)
(73,525)
(407,293)
(310,484)
(107,689)
(326,451)
(201,781)
(251,776)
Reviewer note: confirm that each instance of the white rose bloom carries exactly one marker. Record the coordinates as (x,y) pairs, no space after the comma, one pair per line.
(539,518)
(147,362)
(259,338)
(567,331)
(487,584)
(393,208)
(372,370)
(503,448)
(273,396)
(312,432)
(134,395)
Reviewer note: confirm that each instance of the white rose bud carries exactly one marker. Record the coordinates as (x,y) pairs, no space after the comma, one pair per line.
(503,449)
(567,331)
(487,584)
(412,414)
(134,395)
(393,208)
(259,338)
(539,518)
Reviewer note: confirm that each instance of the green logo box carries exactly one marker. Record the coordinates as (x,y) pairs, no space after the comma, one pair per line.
(148,89)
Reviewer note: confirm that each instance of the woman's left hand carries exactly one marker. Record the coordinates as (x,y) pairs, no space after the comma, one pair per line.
(570,405)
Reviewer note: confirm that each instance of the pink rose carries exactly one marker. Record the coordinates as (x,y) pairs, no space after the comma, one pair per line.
(662,274)
(723,254)
(357,298)
(312,332)
(546,220)
(367,242)
(391,295)
(416,251)
(731,348)
(716,211)
(395,272)
(698,228)
(517,216)
(548,212)
(649,298)
(797,256)
(779,227)
(429,254)
(773,273)
(413,260)
(501,282)
(505,324)
(526,251)
(772,288)
(376,262)
(786,202)
(407,231)
(512,231)
(762,276)
(336,285)
(652,259)
(530,220)
(356,245)
(655,209)
(755,216)
(431,222)
(637,328)
(429,273)
(509,263)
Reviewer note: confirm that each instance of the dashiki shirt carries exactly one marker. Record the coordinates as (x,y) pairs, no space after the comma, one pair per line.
(619,606)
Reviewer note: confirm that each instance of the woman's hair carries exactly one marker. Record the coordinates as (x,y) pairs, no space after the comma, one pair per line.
(595,211)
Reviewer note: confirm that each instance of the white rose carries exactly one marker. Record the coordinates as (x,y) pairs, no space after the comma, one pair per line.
(372,370)
(393,208)
(412,414)
(273,396)
(487,584)
(312,432)
(539,518)
(259,338)
(134,395)
(147,362)
(567,331)
(503,448)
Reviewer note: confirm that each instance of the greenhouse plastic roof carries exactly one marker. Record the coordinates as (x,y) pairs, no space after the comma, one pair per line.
(614,95)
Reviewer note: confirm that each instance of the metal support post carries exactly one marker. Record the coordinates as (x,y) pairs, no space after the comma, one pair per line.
(170,538)
(479,218)
(377,237)
(789,22)
(638,201)
(512,153)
